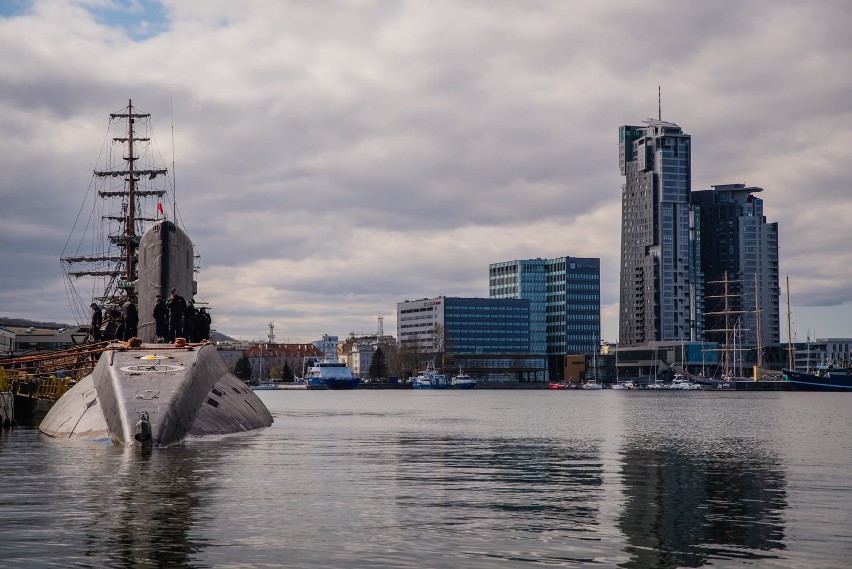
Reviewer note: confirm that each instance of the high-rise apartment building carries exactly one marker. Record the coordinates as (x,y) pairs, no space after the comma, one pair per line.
(739,259)
(564,296)
(661,282)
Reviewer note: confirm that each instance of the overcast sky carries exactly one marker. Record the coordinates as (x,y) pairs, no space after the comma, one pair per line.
(335,158)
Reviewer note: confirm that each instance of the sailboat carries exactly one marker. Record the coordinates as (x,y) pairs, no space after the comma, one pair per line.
(596,384)
(824,378)
(142,393)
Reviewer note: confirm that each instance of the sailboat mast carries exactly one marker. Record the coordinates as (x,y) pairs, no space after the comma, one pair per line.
(130,224)
(757,318)
(789,333)
(727,352)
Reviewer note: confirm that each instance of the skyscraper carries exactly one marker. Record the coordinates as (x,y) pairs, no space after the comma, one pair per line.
(739,259)
(564,296)
(661,283)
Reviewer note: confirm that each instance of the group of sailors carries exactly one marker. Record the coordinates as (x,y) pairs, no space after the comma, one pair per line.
(173,318)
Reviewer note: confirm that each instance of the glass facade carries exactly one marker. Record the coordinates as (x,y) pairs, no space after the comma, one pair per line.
(456,325)
(486,325)
(739,259)
(661,281)
(564,296)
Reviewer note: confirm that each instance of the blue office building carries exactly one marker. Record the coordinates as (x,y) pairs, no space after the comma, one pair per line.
(564,296)
(455,325)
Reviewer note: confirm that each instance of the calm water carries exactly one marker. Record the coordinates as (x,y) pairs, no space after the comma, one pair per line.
(453,479)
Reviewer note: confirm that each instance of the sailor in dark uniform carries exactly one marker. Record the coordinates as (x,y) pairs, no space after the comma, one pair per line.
(189,321)
(130,317)
(97,321)
(161,319)
(176,305)
(202,325)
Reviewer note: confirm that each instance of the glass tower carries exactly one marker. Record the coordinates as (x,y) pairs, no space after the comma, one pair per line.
(739,259)
(564,296)
(661,282)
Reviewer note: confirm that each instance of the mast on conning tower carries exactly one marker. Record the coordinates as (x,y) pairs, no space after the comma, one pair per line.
(131,239)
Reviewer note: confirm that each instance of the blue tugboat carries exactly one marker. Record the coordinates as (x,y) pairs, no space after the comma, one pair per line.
(825,379)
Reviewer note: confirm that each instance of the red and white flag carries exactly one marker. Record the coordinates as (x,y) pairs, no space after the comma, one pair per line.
(160,209)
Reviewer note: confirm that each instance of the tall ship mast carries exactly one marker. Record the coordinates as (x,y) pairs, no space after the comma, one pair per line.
(731,324)
(129,191)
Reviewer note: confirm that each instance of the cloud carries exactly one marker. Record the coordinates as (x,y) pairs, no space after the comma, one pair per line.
(332,159)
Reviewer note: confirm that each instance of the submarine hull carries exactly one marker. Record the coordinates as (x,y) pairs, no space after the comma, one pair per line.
(156,395)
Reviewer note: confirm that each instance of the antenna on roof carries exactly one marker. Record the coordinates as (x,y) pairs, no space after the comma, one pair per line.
(659,104)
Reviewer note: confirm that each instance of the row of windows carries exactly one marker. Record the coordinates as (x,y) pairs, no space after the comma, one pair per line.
(574,323)
(501,348)
(572,276)
(571,307)
(453,309)
(572,286)
(416,318)
(572,296)
(427,326)
(488,340)
(487,320)
(410,310)
(487,326)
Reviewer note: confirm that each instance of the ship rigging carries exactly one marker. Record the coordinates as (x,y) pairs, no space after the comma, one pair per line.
(131,188)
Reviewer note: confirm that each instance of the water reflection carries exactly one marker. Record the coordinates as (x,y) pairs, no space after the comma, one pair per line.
(147,512)
(486,484)
(88,505)
(687,505)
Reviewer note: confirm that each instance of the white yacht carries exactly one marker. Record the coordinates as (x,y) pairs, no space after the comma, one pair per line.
(462,381)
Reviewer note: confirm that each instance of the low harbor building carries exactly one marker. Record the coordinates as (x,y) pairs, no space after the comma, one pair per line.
(32,340)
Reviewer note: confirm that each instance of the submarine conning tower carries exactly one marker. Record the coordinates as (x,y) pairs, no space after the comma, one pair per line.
(166,262)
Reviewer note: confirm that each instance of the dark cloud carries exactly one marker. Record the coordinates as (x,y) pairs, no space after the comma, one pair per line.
(333,160)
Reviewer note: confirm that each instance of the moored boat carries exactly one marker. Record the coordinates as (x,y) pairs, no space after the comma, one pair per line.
(825,379)
(462,381)
(429,378)
(681,382)
(330,374)
(265,386)
(37,381)
(156,395)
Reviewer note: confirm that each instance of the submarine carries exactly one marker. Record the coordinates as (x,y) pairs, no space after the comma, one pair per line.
(154,394)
